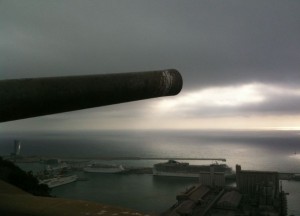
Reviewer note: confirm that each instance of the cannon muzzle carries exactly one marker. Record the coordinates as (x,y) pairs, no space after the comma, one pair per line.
(31,97)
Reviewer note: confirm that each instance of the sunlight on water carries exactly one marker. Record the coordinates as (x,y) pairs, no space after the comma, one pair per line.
(295,156)
(267,150)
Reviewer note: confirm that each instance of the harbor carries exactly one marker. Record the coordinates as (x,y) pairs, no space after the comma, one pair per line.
(147,108)
(218,196)
(136,186)
(79,164)
(216,187)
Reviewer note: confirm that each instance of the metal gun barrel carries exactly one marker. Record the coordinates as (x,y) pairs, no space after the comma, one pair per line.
(31,97)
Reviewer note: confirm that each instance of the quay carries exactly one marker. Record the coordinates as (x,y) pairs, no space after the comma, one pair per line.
(146,158)
(159,158)
(255,193)
(77,163)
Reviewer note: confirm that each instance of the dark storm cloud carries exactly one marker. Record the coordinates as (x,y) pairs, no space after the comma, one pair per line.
(212,43)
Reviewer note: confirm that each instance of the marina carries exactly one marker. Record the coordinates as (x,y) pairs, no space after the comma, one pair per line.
(100,167)
(136,187)
(80,184)
(175,168)
(148,158)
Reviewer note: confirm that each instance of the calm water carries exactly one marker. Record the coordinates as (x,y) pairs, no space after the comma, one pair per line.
(267,150)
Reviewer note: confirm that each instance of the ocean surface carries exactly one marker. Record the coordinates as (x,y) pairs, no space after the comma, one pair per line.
(254,150)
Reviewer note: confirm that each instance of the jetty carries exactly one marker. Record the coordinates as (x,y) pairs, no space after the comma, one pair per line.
(146,158)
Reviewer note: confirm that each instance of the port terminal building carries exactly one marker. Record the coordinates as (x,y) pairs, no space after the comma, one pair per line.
(256,193)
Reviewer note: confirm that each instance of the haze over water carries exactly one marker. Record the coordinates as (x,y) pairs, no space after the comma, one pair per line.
(254,150)
(263,150)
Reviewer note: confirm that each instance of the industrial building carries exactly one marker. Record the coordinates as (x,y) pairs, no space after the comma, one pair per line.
(212,178)
(256,193)
(249,181)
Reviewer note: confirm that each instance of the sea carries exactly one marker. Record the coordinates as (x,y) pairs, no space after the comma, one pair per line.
(253,150)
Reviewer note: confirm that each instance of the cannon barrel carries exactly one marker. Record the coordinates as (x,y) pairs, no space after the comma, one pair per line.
(31,97)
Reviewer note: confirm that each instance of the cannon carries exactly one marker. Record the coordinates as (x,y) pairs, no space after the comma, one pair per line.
(31,97)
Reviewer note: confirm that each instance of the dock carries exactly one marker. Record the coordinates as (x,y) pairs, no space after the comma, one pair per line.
(146,158)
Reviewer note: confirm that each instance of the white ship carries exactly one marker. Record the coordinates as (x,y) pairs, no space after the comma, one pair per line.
(177,169)
(104,168)
(58,180)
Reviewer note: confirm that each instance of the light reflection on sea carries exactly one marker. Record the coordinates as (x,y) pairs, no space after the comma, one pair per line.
(267,150)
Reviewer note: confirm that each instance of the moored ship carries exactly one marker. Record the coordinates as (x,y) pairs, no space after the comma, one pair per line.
(58,180)
(104,168)
(178,169)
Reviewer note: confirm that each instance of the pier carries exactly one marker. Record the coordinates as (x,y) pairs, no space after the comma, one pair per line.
(146,158)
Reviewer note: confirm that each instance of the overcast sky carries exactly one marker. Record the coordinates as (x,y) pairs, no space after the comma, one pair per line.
(240,60)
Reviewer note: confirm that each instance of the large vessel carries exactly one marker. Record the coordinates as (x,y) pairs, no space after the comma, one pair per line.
(103,168)
(58,180)
(177,169)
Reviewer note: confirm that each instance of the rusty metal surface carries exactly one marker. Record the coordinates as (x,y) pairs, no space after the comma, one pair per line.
(25,98)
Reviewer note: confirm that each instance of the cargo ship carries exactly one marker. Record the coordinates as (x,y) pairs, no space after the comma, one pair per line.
(178,169)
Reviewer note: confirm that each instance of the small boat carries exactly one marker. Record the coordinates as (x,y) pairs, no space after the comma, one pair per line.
(58,180)
(103,168)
